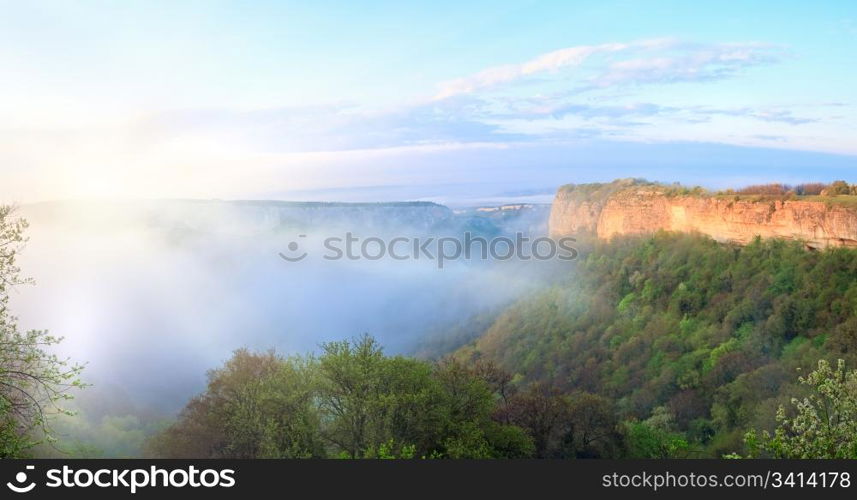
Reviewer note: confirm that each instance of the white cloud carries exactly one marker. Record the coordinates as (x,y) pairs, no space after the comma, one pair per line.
(551,61)
(691,63)
(233,152)
(674,61)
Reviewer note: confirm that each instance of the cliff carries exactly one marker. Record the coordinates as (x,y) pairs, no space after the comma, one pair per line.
(632,207)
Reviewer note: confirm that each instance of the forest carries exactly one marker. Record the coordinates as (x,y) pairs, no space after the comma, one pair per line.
(665,346)
(670,346)
(684,335)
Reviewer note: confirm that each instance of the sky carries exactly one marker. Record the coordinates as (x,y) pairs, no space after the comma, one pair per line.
(419,100)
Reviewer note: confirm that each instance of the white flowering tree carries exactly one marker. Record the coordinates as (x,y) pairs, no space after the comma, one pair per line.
(825,422)
(33,381)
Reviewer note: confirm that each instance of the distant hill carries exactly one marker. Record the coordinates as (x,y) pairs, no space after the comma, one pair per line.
(260,216)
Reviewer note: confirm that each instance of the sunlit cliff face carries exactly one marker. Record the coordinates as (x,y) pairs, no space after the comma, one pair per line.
(636,210)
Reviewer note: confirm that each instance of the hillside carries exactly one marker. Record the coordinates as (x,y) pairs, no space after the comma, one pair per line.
(678,328)
(627,207)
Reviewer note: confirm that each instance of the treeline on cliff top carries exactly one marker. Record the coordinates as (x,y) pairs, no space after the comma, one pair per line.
(662,346)
(601,191)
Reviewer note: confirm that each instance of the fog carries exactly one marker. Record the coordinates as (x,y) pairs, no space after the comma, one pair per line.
(151,295)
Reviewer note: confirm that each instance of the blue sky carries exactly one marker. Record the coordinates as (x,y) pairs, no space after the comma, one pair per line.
(433,100)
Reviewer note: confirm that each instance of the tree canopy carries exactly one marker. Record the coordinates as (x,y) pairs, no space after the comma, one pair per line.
(34,381)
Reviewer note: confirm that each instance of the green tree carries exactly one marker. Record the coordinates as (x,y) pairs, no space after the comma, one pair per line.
(352,374)
(594,429)
(655,437)
(467,404)
(258,405)
(33,381)
(825,421)
(352,401)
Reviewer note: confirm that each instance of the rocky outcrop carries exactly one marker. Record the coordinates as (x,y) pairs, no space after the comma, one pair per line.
(631,209)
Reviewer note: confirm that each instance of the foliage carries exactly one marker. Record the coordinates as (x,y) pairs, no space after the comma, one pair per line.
(667,346)
(34,382)
(785,191)
(352,401)
(839,188)
(258,405)
(656,437)
(704,331)
(597,191)
(824,424)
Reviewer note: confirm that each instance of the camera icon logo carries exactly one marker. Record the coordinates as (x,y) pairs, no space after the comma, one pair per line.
(20,479)
(293,248)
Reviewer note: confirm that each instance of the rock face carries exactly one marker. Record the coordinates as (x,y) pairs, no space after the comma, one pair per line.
(644,209)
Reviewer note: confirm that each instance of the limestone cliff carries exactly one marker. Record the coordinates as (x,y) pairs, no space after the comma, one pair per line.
(631,207)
